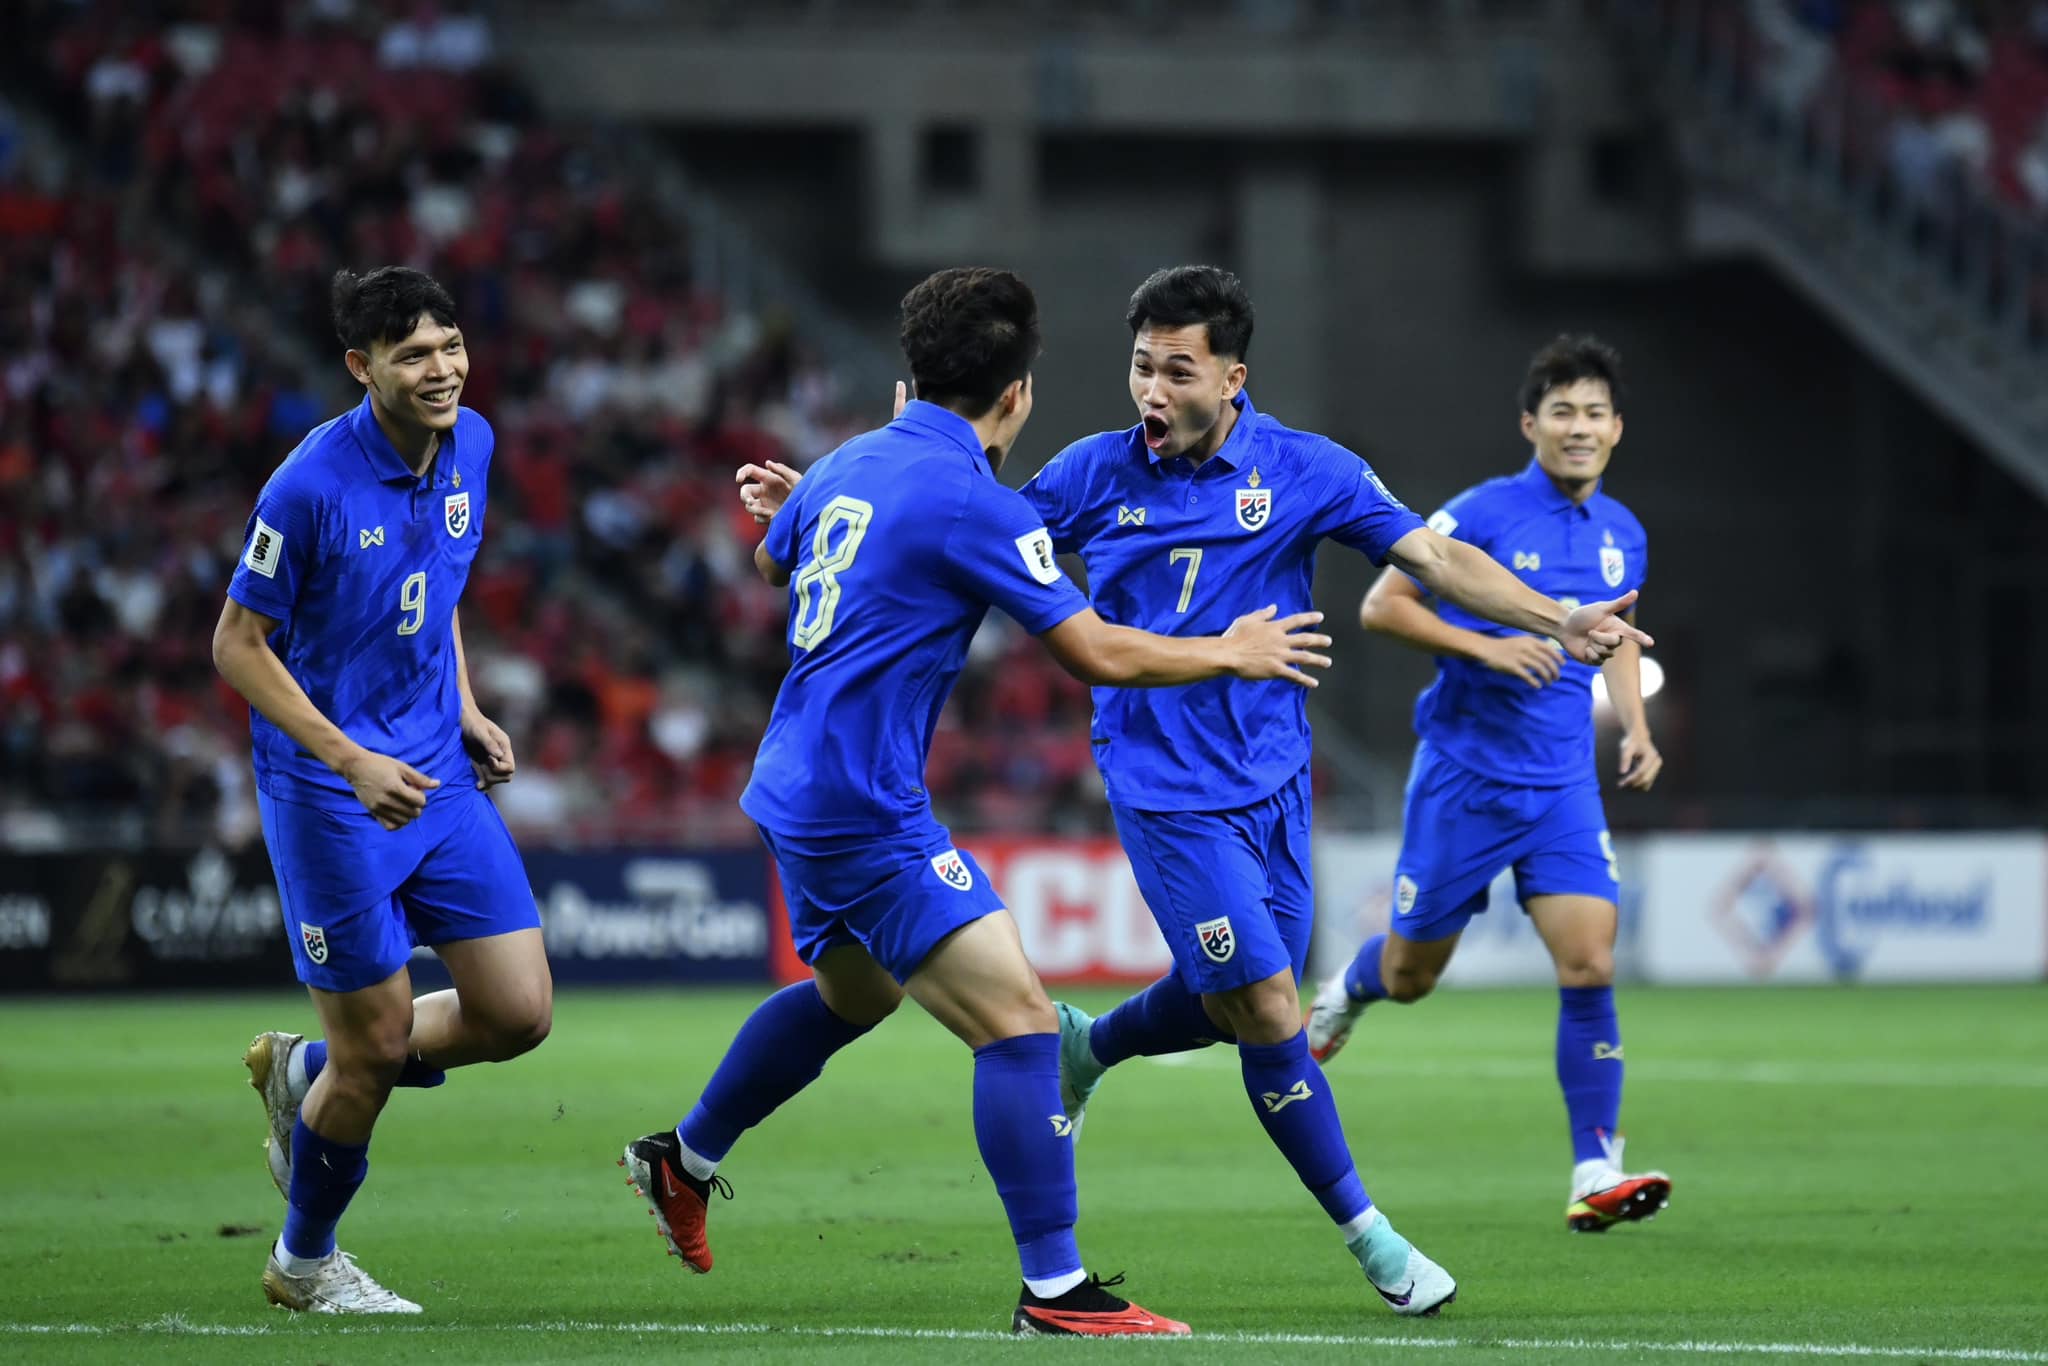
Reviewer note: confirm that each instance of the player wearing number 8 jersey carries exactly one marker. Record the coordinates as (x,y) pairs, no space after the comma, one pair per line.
(1204,505)
(371,764)
(895,546)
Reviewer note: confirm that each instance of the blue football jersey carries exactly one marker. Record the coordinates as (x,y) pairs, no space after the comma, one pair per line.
(1490,722)
(1183,550)
(897,545)
(361,563)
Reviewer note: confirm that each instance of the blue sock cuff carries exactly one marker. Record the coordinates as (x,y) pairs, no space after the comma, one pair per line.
(829,1023)
(1275,1054)
(1586,1003)
(1362,978)
(1023,1048)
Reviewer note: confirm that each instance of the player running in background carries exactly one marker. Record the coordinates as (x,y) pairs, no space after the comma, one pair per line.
(1206,504)
(371,763)
(1504,773)
(894,547)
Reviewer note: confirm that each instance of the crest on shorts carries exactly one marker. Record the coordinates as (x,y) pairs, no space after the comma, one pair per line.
(1254,504)
(1216,938)
(953,870)
(1404,894)
(315,940)
(1612,566)
(456,509)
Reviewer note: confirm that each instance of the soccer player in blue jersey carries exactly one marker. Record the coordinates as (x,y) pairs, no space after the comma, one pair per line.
(372,762)
(894,547)
(1207,503)
(1504,774)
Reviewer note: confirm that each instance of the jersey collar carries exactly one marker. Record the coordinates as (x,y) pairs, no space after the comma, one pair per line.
(947,425)
(1236,448)
(385,461)
(1547,495)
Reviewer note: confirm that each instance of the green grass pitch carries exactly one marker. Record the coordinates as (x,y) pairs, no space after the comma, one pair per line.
(1859,1172)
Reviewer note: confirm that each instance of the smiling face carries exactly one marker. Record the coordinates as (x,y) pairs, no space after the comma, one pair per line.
(415,383)
(1574,429)
(1181,388)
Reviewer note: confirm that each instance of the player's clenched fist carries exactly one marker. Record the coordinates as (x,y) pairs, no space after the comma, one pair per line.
(1269,648)
(393,792)
(489,750)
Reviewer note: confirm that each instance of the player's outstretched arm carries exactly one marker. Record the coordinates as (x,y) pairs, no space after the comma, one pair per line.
(1468,576)
(1395,607)
(1259,644)
(392,792)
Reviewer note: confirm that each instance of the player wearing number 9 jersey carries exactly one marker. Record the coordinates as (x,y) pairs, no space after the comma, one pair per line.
(372,761)
(894,547)
(1204,505)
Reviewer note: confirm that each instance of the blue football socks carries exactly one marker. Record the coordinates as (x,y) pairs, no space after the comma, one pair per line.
(1163,1018)
(1362,978)
(779,1051)
(1589,1067)
(325,1177)
(1292,1099)
(1029,1151)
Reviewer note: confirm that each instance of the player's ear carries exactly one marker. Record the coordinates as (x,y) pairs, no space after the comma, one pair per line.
(1617,432)
(1233,380)
(1529,428)
(358,365)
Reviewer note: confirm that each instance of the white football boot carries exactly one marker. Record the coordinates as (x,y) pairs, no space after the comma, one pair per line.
(336,1285)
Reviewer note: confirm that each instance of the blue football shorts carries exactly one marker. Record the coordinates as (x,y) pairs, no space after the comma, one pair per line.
(1461,828)
(895,895)
(358,898)
(1232,891)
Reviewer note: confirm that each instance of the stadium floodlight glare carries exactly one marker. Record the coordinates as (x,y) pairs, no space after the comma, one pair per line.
(1653,682)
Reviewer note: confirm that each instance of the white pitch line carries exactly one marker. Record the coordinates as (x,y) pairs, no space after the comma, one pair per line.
(173,1325)
(1972,1075)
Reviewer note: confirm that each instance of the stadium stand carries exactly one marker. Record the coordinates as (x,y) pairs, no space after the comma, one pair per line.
(615,623)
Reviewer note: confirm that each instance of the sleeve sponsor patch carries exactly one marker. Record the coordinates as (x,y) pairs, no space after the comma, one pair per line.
(1381,485)
(1036,548)
(266,548)
(1442,523)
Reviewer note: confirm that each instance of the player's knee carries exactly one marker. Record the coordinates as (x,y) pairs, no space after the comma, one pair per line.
(366,1062)
(1262,1012)
(1408,984)
(1592,967)
(519,1029)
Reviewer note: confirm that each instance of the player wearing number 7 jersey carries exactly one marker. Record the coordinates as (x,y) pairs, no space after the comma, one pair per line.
(895,546)
(1206,504)
(371,765)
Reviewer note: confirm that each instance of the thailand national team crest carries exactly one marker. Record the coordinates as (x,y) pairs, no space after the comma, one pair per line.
(456,509)
(315,940)
(953,870)
(1254,504)
(1404,894)
(1217,941)
(1612,566)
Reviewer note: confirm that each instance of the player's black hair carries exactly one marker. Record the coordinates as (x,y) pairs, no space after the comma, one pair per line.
(969,333)
(1567,359)
(1181,296)
(386,305)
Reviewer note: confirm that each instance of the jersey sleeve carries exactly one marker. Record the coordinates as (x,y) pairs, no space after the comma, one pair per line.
(279,549)
(1052,495)
(1356,508)
(1000,552)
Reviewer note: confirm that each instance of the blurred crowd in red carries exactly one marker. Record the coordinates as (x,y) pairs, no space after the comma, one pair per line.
(164,342)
